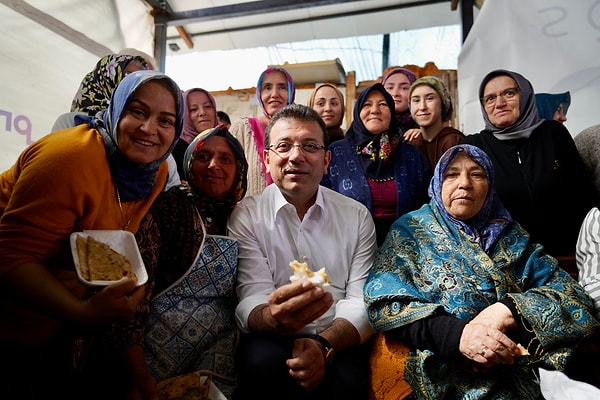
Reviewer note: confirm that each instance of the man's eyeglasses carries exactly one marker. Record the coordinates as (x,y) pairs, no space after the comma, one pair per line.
(283,148)
(507,94)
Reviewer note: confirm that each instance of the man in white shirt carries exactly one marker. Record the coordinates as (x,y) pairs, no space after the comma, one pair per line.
(301,341)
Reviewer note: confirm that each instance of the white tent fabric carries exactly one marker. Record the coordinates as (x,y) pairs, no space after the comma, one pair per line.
(553,43)
(44,58)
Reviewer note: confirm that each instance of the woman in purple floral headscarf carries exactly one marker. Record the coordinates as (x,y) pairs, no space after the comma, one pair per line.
(275,89)
(397,82)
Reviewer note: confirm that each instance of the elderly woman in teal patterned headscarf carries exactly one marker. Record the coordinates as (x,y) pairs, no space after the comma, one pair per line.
(461,284)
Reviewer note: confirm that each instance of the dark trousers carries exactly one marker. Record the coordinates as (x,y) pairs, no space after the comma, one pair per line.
(263,373)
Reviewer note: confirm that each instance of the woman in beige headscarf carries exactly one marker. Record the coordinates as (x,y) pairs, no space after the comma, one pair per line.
(328,101)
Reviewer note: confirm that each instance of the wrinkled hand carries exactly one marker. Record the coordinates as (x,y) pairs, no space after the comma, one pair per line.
(307,367)
(117,302)
(294,305)
(496,316)
(483,339)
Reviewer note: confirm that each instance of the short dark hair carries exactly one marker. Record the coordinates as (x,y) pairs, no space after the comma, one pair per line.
(298,112)
(223,117)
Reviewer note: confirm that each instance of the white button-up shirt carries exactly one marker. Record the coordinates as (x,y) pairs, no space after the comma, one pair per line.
(337,233)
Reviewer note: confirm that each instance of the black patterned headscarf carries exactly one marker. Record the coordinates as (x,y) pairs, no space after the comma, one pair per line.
(487,225)
(134,181)
(374,149)
(97,86)
(215,211)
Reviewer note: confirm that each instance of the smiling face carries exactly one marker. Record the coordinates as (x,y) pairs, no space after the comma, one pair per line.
(298,173)
(274,92)
(202,111)
(214,168)
(375,113)
(502,112)
(329,106)
(146,128)
(464,187)
(398,85)
(426,106)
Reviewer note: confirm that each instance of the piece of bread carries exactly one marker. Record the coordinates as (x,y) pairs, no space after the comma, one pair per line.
(99,262)
(192,386)
(82,255)
(301,271)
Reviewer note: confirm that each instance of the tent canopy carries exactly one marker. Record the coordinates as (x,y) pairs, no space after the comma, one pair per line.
(46,47)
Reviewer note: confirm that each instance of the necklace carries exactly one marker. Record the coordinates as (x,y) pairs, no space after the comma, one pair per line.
(124,224)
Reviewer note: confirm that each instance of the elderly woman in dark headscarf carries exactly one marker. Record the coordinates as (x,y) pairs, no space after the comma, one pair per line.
(193,264)
(539,172)
(461,284)
(374,166)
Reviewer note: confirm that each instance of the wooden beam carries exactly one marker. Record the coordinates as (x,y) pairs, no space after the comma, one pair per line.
(350,96)
(185,36)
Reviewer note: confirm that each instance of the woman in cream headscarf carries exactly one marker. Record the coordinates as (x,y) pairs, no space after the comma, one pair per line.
(431,109)
(328,101)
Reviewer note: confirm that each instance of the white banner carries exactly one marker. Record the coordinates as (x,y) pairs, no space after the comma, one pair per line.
(553,43)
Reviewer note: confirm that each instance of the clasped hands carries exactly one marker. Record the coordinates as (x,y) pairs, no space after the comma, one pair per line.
(484,341)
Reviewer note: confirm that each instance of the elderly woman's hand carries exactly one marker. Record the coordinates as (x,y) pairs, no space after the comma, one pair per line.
(496,316)
(483,339)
